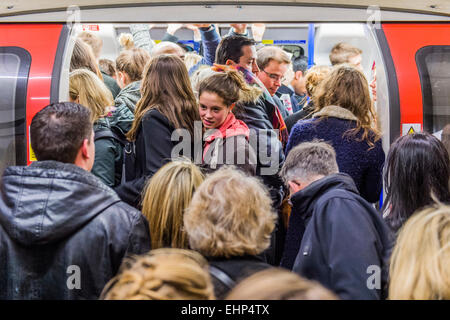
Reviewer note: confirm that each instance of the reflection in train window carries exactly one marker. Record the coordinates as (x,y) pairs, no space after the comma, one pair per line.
(433,63)
(14,67)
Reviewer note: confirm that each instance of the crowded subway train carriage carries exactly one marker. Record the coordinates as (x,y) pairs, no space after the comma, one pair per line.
(304,76)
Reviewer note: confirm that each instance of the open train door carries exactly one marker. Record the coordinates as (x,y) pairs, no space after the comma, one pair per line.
(30,71)
(417,58)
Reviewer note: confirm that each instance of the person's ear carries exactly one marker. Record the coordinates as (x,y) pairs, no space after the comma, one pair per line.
(230,63)
(298,75)
(85,149)
(293,187)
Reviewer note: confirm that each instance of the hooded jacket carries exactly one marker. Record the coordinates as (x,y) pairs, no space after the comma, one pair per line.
(353,155)
(125,104)
(63,233)
(339,239)
(229,145)
(108,156)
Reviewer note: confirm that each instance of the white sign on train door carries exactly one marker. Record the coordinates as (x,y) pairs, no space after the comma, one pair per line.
(410,128)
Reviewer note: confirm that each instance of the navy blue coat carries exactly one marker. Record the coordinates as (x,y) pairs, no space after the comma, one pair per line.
(340,239)
(353,156)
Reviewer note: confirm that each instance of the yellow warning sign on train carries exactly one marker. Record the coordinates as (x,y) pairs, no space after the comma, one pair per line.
(32,156)
(410,128)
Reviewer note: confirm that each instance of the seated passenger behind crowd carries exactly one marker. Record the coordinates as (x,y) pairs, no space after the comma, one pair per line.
(162,274)
(226,138)
(87,89)
(168,103)
(417,171)
(419,268)
(130,67)
(313,78)
(63,233)
(334,235)
(346,118)
(167,195)
(229,221)
(279,284)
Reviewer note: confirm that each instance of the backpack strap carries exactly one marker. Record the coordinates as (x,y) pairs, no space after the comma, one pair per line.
(103,134)
(222,277)
(110,134)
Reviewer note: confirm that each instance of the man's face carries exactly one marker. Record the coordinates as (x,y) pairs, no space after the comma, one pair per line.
(272,75)
(356,61)
(299,83)
(248,59)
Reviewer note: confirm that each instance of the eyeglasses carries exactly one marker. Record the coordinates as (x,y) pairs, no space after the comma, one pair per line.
(275,76)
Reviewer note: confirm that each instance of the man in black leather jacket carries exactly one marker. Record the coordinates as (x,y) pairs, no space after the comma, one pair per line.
(63,233)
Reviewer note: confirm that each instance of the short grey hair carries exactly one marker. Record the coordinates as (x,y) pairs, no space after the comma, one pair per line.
(309,159)
(266,54)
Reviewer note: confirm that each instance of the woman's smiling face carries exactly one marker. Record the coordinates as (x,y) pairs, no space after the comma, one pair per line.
(213,110)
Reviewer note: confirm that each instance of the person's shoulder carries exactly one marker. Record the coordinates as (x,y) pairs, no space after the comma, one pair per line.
(123,212)
(303,126)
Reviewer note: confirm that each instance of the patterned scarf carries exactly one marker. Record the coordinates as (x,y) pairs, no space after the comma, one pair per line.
(251,79)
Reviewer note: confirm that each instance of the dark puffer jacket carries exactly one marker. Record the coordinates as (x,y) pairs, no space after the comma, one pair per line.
(58,222)
(339,239)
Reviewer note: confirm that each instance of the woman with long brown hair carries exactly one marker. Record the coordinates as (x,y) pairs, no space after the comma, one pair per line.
(344,116)
(167,104)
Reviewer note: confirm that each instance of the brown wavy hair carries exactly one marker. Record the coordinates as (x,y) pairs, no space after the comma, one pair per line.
(166,87)
(347,87)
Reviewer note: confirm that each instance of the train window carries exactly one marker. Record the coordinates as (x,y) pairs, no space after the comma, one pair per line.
(433,63)
(14,68)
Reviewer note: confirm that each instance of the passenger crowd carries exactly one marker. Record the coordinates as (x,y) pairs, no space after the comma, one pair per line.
(231,173)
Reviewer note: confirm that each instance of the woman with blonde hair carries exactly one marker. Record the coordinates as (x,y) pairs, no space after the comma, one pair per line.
(88,90)
(279,284)
(421,258)
(167,104)
(230,221)
(162,274)
(345,117)
(167,195)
